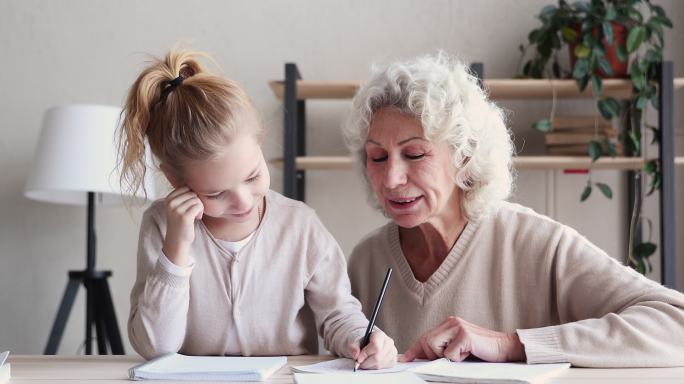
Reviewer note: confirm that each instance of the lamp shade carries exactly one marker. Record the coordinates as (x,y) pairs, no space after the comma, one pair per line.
(77,154)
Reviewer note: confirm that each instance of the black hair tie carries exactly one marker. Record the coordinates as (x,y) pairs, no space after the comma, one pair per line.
(170,86)
(176,82)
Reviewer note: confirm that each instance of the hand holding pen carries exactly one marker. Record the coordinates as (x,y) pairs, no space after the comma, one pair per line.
(375,350)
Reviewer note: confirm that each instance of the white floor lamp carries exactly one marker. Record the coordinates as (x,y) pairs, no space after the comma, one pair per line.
(75,161)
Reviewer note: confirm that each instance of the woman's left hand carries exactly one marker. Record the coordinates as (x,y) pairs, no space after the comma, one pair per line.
(456,339)
(378,354)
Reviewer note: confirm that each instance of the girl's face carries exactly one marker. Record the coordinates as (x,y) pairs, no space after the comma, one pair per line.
(232,184)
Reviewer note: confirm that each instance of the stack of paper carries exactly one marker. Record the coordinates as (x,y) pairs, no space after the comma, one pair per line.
(343,365)
(4,368)
(174,366)
(442,370)
(468,372)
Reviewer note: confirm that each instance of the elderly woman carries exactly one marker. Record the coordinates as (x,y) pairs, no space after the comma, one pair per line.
(477,275)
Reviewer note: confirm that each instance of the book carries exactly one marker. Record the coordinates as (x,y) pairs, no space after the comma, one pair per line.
(468,372)
(577,150)
(174,366)
(580,123)
(352,377)
(4,368)
(575,138)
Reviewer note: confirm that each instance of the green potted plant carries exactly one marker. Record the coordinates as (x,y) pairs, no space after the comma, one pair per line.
(606,38)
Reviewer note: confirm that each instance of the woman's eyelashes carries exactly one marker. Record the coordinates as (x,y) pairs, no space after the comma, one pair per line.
(409,156)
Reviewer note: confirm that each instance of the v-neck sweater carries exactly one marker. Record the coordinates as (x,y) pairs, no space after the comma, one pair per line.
(283,288)
(514,270)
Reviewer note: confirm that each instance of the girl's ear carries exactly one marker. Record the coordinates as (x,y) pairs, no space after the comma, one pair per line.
(170,176)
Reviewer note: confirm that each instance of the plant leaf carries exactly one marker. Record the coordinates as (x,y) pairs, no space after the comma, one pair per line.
(638,77)
(569,34)
(663,20)
(586,192)
(641,266)
(596,84)
(607,32)
(635,141)
(605,189)
(635,37)
(581,68)
(654,184)
(543,125)
(605,67)
(655,102)
(641,102)
(547,12)
(656,134)
(611,14)
(609,107)
(595,150)
(644,250)
(582,51)
(621,53)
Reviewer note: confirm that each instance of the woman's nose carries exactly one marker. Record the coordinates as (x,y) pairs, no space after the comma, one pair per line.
(395,174)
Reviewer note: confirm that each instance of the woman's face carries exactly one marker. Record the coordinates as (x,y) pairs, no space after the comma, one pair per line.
(232,183)
(411,176)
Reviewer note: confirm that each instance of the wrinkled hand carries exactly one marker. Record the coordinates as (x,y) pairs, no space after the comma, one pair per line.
(183,206)
(378,354)
(456,339)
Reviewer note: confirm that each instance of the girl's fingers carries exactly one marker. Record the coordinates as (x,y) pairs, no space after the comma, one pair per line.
(181,199)
(176,192)
(190,207)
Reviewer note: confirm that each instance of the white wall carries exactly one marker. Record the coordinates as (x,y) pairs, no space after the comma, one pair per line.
(59,52)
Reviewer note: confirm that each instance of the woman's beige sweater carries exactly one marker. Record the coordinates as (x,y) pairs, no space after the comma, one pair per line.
(515,270)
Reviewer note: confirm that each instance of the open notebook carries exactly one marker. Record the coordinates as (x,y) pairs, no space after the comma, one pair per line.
(174,366)
(468,372)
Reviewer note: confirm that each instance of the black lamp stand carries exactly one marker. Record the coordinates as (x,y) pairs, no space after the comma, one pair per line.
(99,305)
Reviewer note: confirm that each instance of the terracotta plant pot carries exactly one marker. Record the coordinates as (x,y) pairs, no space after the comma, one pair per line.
(620,68)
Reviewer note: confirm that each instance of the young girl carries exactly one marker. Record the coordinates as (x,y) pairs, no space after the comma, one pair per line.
(225,265)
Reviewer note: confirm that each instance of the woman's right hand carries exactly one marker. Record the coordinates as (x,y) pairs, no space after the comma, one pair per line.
(183,207)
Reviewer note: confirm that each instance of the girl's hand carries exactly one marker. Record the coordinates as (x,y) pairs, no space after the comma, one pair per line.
(456,339)
(183,206)
(378,354)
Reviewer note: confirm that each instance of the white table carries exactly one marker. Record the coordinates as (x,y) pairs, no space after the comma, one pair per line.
(63,369)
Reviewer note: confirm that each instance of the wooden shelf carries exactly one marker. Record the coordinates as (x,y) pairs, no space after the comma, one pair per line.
(310,163)
(498,88)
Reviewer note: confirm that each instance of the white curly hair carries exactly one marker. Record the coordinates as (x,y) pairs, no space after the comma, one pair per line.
(445,97)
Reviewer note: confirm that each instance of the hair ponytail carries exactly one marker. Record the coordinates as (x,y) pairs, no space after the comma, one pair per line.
(183,111)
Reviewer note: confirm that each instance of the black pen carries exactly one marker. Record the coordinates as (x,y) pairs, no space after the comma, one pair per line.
(371,323)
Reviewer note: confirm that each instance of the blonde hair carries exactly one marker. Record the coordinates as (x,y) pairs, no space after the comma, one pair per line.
(183,111)
(445,97)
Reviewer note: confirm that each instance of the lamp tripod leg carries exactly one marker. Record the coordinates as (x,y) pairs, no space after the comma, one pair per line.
(90,314)
(100,320)
(109,316)
(62,316)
